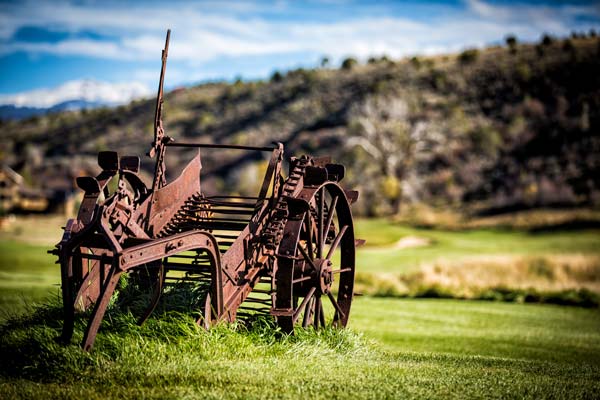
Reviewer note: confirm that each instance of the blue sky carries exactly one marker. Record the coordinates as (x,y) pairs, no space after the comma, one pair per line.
(45,44)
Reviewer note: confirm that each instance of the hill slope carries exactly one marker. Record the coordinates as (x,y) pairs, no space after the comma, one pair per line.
(503,128)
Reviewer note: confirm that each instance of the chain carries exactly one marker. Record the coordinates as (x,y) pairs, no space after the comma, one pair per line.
(273,231)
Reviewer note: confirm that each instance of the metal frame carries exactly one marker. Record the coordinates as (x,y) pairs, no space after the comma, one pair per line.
(254,255)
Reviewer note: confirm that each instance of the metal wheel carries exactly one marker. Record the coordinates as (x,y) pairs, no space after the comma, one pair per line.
(316,261)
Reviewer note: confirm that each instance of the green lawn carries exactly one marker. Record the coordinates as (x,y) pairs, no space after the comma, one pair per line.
(27,275)
(394,348)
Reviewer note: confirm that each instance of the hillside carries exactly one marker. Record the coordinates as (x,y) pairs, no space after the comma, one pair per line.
(491,130)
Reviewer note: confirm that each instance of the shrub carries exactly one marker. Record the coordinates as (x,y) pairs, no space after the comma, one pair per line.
(539,49)
(547,40)
(276,77)
(349,63)
(568,46)
(468,56)
(439,79)
(486,139)
(523,72)
(511,42)
(415,62)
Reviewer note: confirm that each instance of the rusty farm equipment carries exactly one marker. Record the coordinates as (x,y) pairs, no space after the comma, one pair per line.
(287,253)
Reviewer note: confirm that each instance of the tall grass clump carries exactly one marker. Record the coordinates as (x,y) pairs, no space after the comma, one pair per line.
(169,346)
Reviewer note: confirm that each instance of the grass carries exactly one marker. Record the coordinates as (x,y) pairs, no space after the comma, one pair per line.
(384,268)
(393,349)
(27,273)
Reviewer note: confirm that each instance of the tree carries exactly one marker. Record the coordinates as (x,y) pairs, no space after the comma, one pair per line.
(276,77)
(468,56)
(547,40)
(349,63)
(382,129)
(511,42)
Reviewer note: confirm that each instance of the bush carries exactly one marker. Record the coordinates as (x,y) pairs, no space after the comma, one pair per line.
(547,40)
(415,62)
(486,140)
(468,56)
(276,77)
(511,42)
(568,46)
(539,49)
(349,63)
(439,79)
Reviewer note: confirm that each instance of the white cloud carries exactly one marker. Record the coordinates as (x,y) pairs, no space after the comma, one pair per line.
(204,32)
(88,90)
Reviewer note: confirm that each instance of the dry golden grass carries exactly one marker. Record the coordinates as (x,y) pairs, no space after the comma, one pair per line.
(476,277)
(470,276)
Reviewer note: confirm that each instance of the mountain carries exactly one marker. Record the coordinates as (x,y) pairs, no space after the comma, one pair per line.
(483,131)
(70,96)
(11,112)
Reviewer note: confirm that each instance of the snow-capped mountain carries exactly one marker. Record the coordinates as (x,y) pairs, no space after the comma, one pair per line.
(73,95)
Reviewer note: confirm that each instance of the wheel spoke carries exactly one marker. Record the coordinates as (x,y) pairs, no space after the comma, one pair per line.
(318,309)
(309,231)
(329,218)
(308,312)
(303,304)
(336,305)
(321,216)
(339,271)
(307,257)
(336,242)
(322,314)
(304,278)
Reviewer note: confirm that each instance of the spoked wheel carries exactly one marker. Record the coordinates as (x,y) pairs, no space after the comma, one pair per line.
(316,262)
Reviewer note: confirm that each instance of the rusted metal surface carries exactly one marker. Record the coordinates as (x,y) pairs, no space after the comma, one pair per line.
(287,253)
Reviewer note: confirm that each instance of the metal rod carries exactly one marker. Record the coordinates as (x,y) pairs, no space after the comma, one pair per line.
(309,243)
(337,271)
(236,197)
(320,214)
(318,309)
(330,217)
(307,258)
(303,304)
(336,242)
(322,314)
(301,279)
(219,146)
(336,305)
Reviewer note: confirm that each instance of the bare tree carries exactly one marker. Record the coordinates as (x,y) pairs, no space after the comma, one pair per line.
(383,127)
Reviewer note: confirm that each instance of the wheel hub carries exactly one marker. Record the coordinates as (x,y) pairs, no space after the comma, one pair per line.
(325,274)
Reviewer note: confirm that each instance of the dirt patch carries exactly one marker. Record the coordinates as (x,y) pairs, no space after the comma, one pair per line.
(408,242)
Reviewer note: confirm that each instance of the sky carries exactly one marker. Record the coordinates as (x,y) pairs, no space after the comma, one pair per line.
(49,50)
